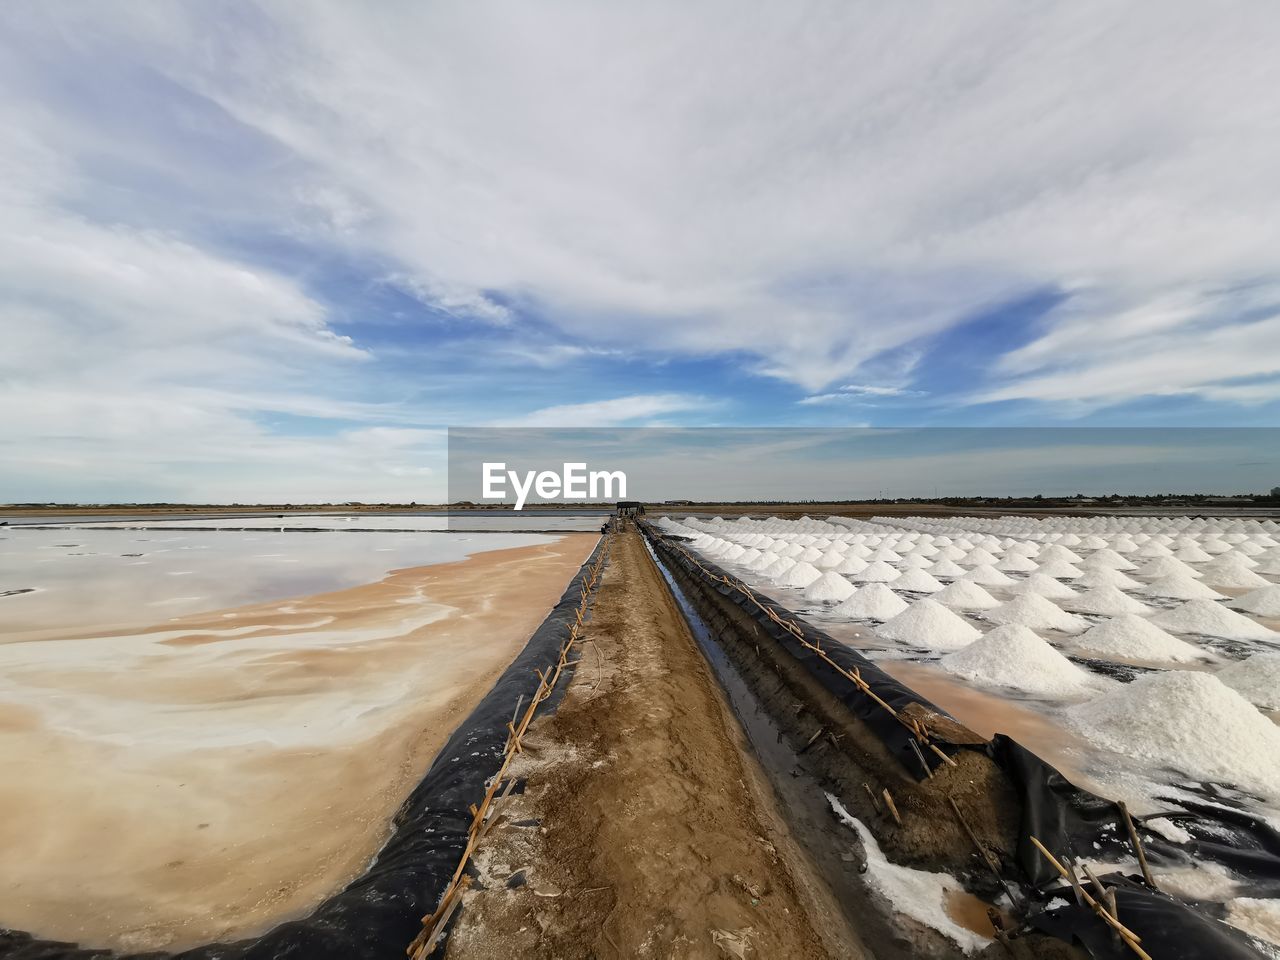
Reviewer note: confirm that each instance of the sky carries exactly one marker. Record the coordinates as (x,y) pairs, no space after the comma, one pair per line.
(710,464)
(272,252)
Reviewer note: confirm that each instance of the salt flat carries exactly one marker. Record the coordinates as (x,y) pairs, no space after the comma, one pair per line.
(176,779)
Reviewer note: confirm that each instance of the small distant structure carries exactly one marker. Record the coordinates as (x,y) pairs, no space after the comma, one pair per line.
(629,508)
(679,503)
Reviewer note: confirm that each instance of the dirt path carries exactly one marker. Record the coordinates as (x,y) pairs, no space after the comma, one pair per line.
(645,830)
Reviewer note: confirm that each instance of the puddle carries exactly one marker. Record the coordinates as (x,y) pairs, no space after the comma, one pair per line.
(971,913)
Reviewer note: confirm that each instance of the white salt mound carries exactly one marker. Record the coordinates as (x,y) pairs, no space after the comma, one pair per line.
(877,572)
(1057,552)
(988,576)
(1016,563)
(778,568)
(1192,722)
(1135,638)
(1192,554)
(829,587)
(1013,656)
(764,560)
(1256,678)
(832,558)
(852,564)
(1265,601)
(966,595)
(1044,586)
(978,557)
(946,568)
(875,601)
(916,580)
(1212,620)
(1060,568)
(1036,613)
(927,623)
(801,575)
(1106,577)
(1107,601)
(1167,566)
(1106,557)
(1232,570)
(1179,586)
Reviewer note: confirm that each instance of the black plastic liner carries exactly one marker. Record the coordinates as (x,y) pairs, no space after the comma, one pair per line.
(1064,817)
(379,914)
(890,732)
(1055,811)
(1170,930)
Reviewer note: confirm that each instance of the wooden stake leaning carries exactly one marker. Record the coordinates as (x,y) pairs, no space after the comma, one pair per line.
(1137,845)
(893,807)
(1131,939)
(990,860)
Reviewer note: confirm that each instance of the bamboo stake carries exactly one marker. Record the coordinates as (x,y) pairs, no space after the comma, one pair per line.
(1131,939)
(1075,883)
(983,852)
(920,756)
(998,926)
(874,802)
(812,740)
(893,808)
(1108,897)
(934,748)
(1137,845)
(1094,881)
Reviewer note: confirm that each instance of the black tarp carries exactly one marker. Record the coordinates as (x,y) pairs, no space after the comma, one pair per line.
(1169,930)
(379,914)
(890,732)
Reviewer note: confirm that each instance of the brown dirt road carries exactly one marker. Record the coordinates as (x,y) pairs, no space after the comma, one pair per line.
(646,828)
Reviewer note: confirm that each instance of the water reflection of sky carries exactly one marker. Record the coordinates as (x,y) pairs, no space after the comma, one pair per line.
(477,520)
(92,578)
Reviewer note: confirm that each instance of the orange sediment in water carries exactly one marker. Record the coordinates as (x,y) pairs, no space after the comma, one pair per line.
(210,777)
(971,913)
(988,714)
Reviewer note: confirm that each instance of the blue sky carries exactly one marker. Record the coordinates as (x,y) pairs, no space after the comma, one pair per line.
(271,251)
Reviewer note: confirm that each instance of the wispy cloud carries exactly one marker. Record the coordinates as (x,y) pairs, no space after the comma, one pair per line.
(858,393)
(638,410)
(1221,345)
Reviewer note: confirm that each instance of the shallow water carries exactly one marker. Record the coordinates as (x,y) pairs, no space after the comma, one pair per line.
(89,578)
(204,776)
(474,520)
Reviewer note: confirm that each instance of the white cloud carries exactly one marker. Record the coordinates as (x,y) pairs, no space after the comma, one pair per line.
(637,410)
(858,393)
(810,191)
(812,185)
(135,364)
(1183,343)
